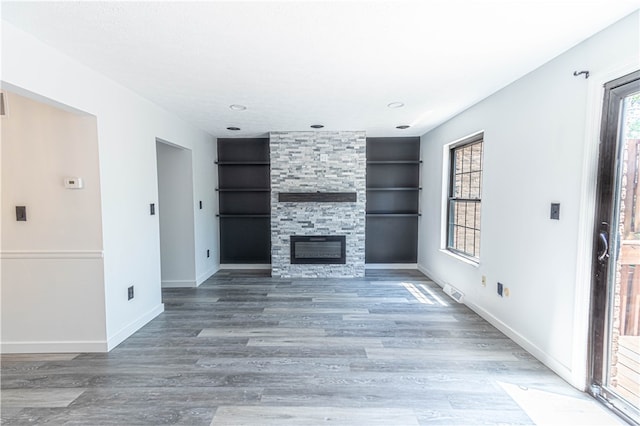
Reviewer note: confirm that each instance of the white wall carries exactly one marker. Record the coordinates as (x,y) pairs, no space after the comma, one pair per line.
(55,257)
(175,210)
(205,181)
(536,139)
(128,126)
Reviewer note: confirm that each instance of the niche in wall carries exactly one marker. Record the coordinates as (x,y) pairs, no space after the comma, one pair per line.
(244,193)
(393,193)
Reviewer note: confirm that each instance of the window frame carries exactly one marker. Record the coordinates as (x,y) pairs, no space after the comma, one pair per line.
(451,199)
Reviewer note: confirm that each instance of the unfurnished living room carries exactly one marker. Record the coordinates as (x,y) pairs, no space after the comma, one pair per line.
(320,212)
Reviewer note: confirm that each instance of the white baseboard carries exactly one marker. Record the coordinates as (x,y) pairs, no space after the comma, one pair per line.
(178,283)
(391,266)
(557,367)
(52,347)
(245,266)
(206,275)
(133,326)
(426,272)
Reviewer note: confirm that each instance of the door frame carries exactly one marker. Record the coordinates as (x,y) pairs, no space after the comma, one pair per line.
(606,199)
(578,371)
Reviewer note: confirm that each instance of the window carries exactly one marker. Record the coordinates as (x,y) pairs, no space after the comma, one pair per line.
(465,189)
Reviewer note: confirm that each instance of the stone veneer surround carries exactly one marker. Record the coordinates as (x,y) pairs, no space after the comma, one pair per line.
(312,162)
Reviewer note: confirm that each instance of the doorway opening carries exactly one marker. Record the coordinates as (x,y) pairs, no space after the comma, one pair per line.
(175,210)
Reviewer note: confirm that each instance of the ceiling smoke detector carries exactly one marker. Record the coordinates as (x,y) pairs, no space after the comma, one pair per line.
(395,105)
(237,107)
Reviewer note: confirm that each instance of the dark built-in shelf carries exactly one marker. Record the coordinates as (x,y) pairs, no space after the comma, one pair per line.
(243,189)
(244,215)
(393,214)
(242,163)
(395,162)
(244,200)
(393,185)
(395,189)
(317,197)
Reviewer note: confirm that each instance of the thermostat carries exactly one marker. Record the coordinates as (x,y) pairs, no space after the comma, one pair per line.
(73,183)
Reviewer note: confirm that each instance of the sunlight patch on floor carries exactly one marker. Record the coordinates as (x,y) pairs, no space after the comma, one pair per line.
(548,408)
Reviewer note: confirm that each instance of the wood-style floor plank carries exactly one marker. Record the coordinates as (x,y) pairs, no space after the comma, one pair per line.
(245,348)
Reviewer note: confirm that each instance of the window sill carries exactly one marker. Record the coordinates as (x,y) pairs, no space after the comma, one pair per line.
(466,260)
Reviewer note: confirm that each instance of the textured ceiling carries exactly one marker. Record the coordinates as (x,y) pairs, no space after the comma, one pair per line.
(297,63)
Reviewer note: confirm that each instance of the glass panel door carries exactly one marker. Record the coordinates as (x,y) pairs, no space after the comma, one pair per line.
(616,296)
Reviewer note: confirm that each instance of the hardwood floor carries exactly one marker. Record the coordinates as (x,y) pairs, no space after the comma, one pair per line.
(246,349)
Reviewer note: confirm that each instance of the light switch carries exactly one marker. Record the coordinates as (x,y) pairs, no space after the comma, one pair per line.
(555,211)
(21,213)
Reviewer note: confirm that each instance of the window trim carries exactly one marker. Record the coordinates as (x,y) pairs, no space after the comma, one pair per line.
(448,188)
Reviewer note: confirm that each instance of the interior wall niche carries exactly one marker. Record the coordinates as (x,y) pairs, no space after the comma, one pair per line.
(244,202)
(393,192)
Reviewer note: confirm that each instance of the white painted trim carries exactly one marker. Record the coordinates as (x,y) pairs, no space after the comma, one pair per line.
(52,254)
(245,266)
(586,220)
(52,347)
(460,258)
(391,266)
(133,326)
(206,275)
(424,270)
(559,368)
(178,283)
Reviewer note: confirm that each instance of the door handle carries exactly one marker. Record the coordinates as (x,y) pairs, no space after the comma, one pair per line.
(602,236)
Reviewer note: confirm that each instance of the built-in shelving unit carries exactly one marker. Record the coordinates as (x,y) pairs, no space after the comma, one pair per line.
(393,194)
(244,200)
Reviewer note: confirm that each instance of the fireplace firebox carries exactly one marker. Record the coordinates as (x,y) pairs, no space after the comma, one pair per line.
(314,249)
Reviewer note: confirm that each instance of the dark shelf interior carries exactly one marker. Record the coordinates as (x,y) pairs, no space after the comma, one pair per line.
(393,175)
(393,194)
(244,200)
(392,202)
(242,163)
(243,190)
(393,149)
(243,150)
(391,239)
(245,240)
(394,162)
(244,176)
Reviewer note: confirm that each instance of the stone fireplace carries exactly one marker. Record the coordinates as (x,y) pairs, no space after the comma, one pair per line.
(325,174)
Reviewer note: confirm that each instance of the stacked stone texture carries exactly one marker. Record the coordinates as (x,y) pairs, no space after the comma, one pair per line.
(318,162)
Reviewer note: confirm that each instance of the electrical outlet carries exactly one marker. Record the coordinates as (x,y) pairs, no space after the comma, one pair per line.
(484,281)
(500,289)
(555,211)
(200,205)
(130,293)
(152,209)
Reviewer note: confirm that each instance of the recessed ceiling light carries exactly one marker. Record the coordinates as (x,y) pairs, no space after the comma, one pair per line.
(233,128)
(317,126)
(403,126)
(237,107)
(395,105)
